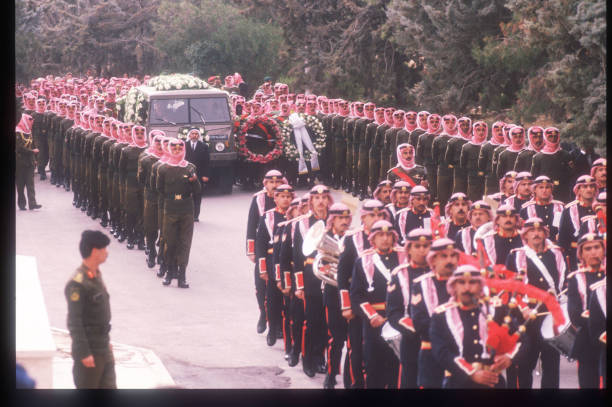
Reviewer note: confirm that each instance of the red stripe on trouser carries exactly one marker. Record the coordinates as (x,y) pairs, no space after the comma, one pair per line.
(304,330)
(517,378)
(399,377)
(329,342)
(349,353)
(601,382)
(284,332)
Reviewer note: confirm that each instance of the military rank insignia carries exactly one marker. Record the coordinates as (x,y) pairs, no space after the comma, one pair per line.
(74,296)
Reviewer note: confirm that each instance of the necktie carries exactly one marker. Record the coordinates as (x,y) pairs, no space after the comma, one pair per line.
(193,144)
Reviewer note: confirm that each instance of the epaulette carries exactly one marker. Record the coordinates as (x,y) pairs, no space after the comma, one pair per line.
(573,203)
(354,231)
(528,203)
(447,305)
(78,276)
(587,217)
(398,268)
(580,270)
(423,277)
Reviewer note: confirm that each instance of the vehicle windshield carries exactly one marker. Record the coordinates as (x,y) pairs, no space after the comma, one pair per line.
(183,110)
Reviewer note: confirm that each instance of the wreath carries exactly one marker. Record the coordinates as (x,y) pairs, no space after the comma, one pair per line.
(313,125)
(259,140)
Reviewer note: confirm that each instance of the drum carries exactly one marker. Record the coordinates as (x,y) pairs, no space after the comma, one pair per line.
(393,337)
(566,336)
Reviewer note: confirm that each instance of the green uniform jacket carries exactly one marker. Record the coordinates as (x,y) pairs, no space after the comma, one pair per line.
(558,167)
(173,184)
(438,154)
(505,162)
(24,146)
(523,161)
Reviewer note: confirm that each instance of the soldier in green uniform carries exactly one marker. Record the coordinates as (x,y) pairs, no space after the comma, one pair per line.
(348,130)
(453,154)
(107,155)
(424,156)
(177,182)
(403,136)
(387,159)
(25,161)
(117,212)
(507,158)
(65,125)
(160,205)
(101,149)
(54,120)
(438,152)
(500,149)
(339,144)
(469,161)
(535,135)
(555,163)
(89,317)
(61,123)
(415,133)
(39,131)
(485,158)
(362,150)
(128,168)
(145,162)
(82,161)
(406,168)
(324,115)
(375,136)
(74,134)
(87,159)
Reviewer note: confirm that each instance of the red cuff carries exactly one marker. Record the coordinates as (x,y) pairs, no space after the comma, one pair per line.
(368,309)
(277,276)
(250,246)
(345,300)
(287,275)
(465,366)
(406,322)
(299,280)
(262,265)
(514,351)
(602,337)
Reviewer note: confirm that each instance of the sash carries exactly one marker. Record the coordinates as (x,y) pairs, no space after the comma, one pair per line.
(531,254)
(600,294)
(582,289)
(489,244)
(269,221)
(466,240)
(358,242)
(381,267)
(455,325)
(575,218)
(404,283)
(403,176)
(368,269)
(261,202)
(430,295)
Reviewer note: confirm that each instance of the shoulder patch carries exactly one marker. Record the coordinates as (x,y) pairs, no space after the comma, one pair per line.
(446,306)
(423,277)
(74,295)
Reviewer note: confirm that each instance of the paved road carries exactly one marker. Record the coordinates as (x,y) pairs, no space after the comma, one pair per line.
(204,335)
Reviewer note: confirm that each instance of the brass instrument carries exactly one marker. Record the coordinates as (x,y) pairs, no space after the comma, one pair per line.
(328,252)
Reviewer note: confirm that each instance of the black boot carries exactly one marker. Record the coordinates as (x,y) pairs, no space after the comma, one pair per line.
(294,358)
(140,242)
(52,180)
(84,205)
(151,259)
(67,185)
(162,269)
(75,199)
(181,277)
(261,323)
(329,382)
(131,240)
(271,337)
(89,209)
(307,368)
(279,332)
(43,176)
(169,275)
(104,219)
(122,235)
(112,226)
(95,213)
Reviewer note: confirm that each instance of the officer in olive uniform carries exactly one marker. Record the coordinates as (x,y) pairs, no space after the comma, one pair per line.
(469,161)
(177,182)
(160,205)
(424,154)
(348,130)
(25,161)
(339,145)
(89,317)
(361,150)
(453,155)
(374,139)
(485,158)
(555,163)
(406,169)
(444,169)
(103,173)
(39,131)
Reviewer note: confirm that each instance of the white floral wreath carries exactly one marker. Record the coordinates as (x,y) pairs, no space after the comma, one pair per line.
(290,150)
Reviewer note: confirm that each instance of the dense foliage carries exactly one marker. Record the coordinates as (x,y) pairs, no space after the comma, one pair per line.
(522,60)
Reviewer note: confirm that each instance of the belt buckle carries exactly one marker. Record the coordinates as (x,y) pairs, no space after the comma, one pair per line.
(556,182)
(178,197)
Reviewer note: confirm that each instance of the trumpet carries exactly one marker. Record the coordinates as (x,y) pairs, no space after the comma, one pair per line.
(328,252)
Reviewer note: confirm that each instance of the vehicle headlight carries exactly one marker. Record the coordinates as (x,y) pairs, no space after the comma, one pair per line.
(219,147)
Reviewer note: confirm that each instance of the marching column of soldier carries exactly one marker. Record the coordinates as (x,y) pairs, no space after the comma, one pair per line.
(407,272)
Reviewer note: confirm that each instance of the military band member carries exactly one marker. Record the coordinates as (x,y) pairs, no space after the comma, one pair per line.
(542,265)
(308,287)
(506,188)
(368,289)
(585,191)
(415,215)
(438,152)
(338,222)
(362,150)
(375,140)
(591,253)
(479,213)
(597,326)
(261,202)
(456,212)
(543,206)
(507,158)
(535,135)
(177,182)
(406,168)
(354,245)
(424,151)
(595,223)
(505,236)
(599,172)
(469,161)
(415,133)
(554,162)
(418,243)
(522,191)
(264,253)
(429,295)
(382,192)
(485,158)
(453,154)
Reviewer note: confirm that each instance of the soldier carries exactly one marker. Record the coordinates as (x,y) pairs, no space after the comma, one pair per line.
(261,202)
(98,167)
(400,199)
(459,334)
(418,243)
(145,164)
(39,131)
(456,212)
(438,152)
(480,213)
(362,149)
(76,132)
(79,145)
(371,274)
(163,268)
(499,242)
(428,294)
(599,172)
(177,182)
(65,126)
(415,134)
(406,168)
(522,190)
(485,158)
(597,326)
(403,135)
(424,153)
(535,134)
(116,207)
(354,246)
(89,317)
(416,215)
(595,223)
(555,163)
(103,170)
(338,222)
(591,253)
(375,143)
(25,162)
(507,158)
(325,117)
(453,154)
(390,141)
(58,143)
(90,164)
(543,206)
(542,265)
(348,131)
(506,188)
(585,191)
(339,144)
(383,192)
(264,252)
(469,161)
